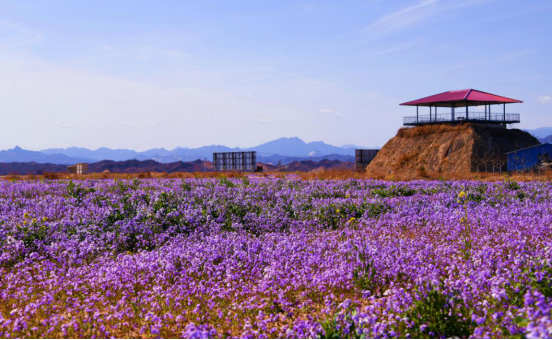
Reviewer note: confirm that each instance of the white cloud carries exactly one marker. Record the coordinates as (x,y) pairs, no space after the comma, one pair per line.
(508,57)
(394,49)
(265,120)
(66,125)
(405,17)
(414,15)
(15,35)
(544,99)
(142,123)
(330,112)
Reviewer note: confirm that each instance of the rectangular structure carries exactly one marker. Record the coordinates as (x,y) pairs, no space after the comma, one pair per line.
(235,161)
(528,158)
(363,157)
(79,169)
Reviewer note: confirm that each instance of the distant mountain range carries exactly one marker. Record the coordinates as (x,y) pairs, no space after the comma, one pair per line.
(134,166)
(540,132)
(130,166)
(545,139)
(18,154)
(543,134)
(282,150)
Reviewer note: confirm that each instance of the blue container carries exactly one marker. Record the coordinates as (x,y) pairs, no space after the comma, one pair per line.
(527,158)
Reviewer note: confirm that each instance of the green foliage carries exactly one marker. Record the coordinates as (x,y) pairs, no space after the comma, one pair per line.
(394,191)
(125,210)
(77,192)
(165,202)
(340,326)
(324,193)
(32,231)
(372,209)
(542,284)
(535,280)
(466,234)
(334,216)
(437,315)
(226,182)
(135,184)
(511,184)
(474,197)
(185,186)
(521,195)
(232,212)
(477,194)
(235,213)
(365,277)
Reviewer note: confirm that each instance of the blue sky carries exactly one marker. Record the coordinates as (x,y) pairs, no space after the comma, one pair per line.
(145,74)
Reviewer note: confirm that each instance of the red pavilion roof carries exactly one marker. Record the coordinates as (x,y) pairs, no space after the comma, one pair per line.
(462,98)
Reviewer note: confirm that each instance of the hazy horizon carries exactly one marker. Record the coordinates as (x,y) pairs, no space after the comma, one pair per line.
(132,75)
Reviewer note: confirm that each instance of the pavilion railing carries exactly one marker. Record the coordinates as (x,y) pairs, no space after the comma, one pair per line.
(507,118)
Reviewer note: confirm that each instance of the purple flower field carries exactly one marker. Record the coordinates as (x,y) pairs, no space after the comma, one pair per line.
(275,258)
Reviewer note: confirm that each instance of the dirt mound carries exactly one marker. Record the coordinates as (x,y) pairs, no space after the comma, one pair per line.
(446,148)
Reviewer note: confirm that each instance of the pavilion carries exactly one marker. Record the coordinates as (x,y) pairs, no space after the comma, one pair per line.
(462,99)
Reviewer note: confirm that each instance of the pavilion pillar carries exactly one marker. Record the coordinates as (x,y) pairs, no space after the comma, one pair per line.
(504,114)
(467,112)
(452,114)
(485,112)
(430,109)
(417,113)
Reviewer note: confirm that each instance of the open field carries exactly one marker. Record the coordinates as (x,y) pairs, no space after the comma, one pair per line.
(275,257)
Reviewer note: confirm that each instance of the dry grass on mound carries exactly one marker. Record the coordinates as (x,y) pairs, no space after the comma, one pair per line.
(425,130)
(418,174)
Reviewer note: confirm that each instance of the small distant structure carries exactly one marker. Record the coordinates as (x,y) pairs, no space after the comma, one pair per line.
(363,157)
(235,161)
(78,169)
(459,103)
(529,158)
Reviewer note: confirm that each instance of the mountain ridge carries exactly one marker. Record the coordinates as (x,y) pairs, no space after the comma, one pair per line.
(285,149)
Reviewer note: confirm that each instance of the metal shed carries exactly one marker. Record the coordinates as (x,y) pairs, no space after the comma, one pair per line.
(528,158)
(235,161)
(363,157)
(79,169)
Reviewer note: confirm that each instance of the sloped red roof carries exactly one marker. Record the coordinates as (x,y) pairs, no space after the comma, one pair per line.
(458,98)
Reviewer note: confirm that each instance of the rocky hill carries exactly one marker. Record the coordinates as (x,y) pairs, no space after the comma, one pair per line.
(446,148)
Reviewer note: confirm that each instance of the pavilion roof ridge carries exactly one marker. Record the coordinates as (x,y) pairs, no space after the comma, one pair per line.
(461,98)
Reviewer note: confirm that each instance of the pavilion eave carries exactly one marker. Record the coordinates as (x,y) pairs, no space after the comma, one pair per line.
(456,103)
